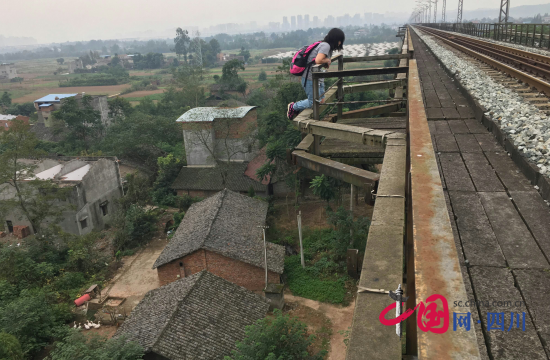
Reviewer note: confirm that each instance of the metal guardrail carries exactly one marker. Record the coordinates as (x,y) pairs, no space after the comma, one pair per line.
(534,35)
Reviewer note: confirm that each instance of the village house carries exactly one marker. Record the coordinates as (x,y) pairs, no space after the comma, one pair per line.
(52,102)
(221,235)
(74,65)
(220,141)
(198,317)
(96,185)
(7,120)
(215,138)
(223,58)
(8,71)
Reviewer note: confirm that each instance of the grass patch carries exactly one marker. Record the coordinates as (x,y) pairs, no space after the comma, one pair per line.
(303,283)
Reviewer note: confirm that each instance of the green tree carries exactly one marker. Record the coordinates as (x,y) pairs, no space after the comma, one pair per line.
(32,198)
(169,168)
(230,71)
(10,349)
(245,53)
(60,61)
(262,76)
(324,187)
(33,320)
(5,100)
(79,346)
(115,60)
(182,42)
(215,46)
(141,137)
(281,337)
(82,121)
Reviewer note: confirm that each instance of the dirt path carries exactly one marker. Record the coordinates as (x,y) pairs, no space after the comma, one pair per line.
(340,317)
(137,277)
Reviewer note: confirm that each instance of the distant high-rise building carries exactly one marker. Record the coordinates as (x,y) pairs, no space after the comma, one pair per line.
(300,22)
(368,18)
(293,22)
(356,20)
(329,21)
(306,21)
(274,26)
(346,21)
(285,25)
(315,21)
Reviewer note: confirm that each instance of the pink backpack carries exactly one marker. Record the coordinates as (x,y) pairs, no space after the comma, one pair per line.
(299,62)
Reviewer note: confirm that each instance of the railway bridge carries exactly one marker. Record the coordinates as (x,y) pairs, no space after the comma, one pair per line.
(461,205)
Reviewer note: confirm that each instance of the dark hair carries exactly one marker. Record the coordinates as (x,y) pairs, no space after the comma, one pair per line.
(334,36)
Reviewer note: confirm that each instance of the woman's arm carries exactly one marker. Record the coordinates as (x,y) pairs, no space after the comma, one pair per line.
(322,59)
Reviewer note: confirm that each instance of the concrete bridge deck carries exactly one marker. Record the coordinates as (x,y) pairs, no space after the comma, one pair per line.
(501,224)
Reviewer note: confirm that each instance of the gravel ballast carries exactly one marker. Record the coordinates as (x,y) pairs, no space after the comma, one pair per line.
(524,124)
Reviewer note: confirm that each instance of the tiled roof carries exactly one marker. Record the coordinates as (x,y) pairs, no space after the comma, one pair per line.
(208,114)
(225,223)
(209,178)
(255,164)
(52,97)
(197,317)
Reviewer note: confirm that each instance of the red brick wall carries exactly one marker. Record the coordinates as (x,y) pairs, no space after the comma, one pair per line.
(235,271)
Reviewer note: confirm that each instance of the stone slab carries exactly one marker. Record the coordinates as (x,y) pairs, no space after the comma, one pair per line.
(450,113)
(447,103)
(446,143)
(487,141)
(466,112)
(458,127)
(481,172)
(467,143)
(475,126)
(454,170)
(434,114)
(478,240)
(497,284)
(442,127)
(536,215)
(530,284)
(508,172)
(517,243)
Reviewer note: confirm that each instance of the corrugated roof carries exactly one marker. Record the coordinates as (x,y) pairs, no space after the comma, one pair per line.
(49,173)
(7,117)
(226,223)
(45,105)
(208,114)
(52,97)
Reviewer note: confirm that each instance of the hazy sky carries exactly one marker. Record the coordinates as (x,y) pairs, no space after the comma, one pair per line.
(68,20)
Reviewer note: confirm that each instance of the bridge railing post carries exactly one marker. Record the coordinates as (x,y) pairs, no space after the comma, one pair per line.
(340,87)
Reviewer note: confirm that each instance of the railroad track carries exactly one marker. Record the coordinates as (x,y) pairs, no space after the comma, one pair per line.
(531,70)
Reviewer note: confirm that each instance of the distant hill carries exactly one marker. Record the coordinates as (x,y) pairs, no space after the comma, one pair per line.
(16,41)
(516,11)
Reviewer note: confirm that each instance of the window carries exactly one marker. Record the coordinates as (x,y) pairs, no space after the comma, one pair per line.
(104,209)
(84,223)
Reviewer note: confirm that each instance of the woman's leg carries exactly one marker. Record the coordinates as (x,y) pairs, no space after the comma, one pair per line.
(306,103)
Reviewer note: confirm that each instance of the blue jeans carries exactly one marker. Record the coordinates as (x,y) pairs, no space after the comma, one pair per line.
(308,103)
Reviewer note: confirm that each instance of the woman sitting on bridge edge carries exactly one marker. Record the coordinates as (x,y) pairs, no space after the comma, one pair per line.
(316,54)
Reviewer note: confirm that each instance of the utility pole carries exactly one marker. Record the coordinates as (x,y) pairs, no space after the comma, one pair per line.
(435,12)
(443,11)
(300,236)
(429,11)
(504,11)
(265,253)
(459,15)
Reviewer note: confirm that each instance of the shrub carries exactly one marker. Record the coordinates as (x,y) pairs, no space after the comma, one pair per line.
(178,217)
(79,346)
(10,347)
(282,337)
(262,76)
(140,223)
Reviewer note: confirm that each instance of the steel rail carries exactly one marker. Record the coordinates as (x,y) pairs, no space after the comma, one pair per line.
(525,54)
(532,81)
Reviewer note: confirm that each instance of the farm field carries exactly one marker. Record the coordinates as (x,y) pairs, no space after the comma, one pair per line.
(39,78)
